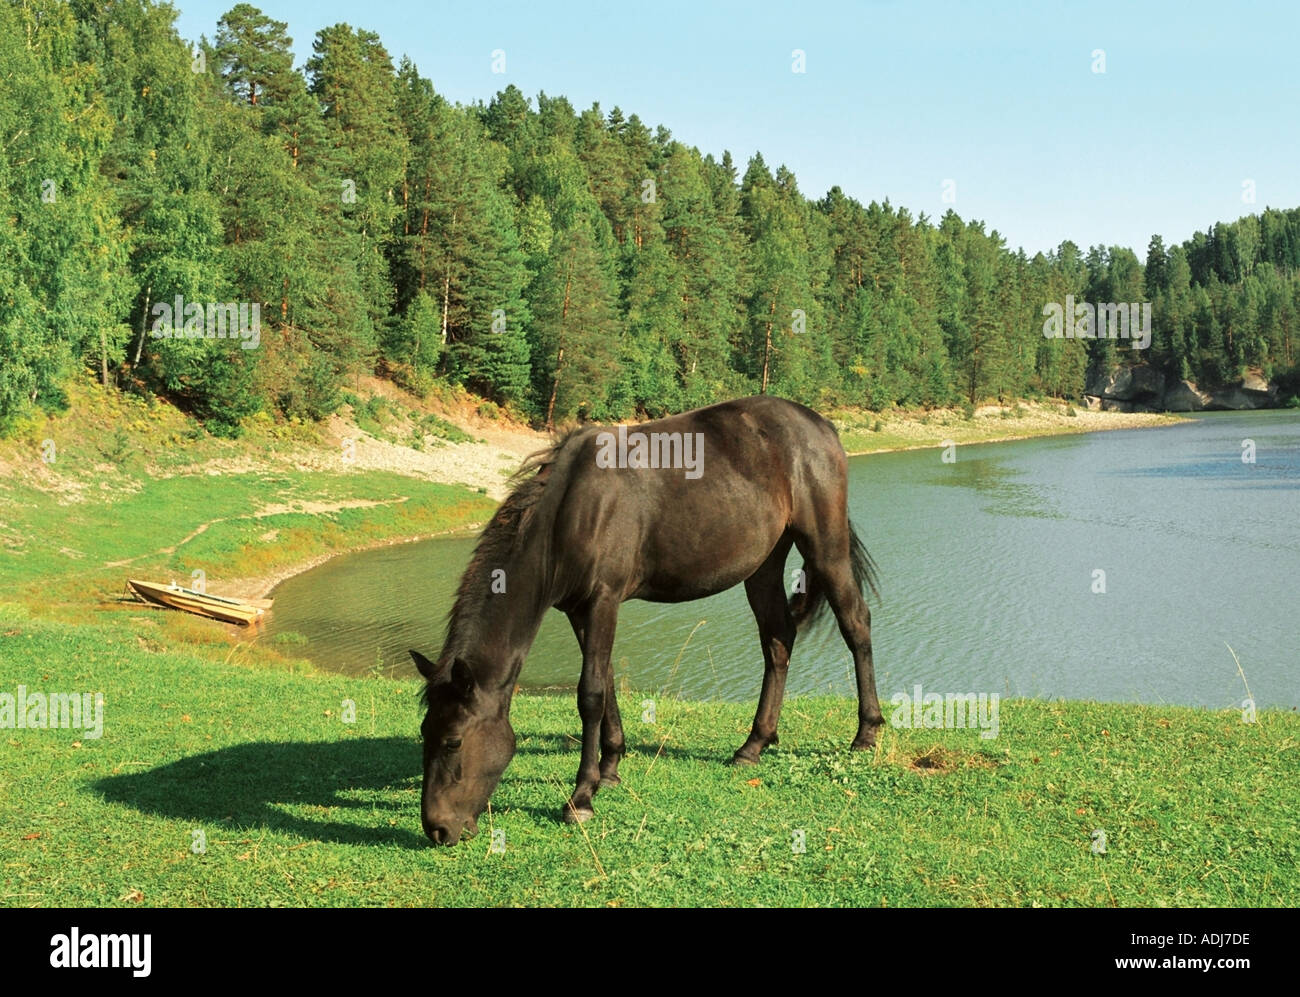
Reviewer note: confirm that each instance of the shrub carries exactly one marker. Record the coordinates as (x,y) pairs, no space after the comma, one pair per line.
(118,447)
(419,381)
(444,430)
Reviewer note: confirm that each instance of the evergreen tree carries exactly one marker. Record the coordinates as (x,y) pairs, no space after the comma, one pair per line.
(253,51)
(350,73)
(575,304)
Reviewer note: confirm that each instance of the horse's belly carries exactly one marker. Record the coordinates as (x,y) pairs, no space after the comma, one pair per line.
(700,563)
(678,590)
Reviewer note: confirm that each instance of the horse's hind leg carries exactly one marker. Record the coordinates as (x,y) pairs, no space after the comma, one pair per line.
(854,617)
(612,745)
(828,556)
(776,629)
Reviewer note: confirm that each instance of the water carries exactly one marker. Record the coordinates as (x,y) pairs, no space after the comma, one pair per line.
(987,576)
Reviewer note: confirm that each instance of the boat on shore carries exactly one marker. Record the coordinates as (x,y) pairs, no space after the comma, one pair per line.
(173,596)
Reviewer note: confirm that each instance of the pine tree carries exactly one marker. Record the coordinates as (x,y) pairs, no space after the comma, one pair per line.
(352,76)
(574,301)
(783,306)
(701,240)
(253,51)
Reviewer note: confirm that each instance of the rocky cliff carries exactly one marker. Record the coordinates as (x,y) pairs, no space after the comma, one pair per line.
(1145,389)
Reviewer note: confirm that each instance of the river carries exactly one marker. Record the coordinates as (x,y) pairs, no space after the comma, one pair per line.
(1110,566)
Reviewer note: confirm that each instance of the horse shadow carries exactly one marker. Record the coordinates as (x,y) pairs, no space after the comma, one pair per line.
(268,785)
(275,785)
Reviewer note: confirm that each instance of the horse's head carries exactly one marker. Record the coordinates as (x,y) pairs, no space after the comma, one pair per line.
(468,742)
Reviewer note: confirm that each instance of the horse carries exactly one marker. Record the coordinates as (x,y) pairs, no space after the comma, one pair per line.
(674,510)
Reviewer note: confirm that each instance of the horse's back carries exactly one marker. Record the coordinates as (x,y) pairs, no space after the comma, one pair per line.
(674,533)
(794,450)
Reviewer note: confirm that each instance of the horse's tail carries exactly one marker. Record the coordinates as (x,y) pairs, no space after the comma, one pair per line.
(809,605)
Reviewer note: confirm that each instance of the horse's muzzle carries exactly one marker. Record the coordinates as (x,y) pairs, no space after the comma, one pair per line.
(447,831)
(442,833)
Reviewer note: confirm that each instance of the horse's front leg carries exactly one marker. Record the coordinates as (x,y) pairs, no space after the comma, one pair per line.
(612,743)
(595,627)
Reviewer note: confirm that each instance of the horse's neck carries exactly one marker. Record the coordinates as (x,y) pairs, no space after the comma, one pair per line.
(503,625)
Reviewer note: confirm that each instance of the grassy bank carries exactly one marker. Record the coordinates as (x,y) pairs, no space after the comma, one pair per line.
(298,807)
(128,492)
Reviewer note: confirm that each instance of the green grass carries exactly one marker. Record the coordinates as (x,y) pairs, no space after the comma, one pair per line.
(119,501)
(299,808)
(68,556)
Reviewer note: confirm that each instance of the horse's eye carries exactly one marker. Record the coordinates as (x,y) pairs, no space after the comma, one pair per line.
(452,744)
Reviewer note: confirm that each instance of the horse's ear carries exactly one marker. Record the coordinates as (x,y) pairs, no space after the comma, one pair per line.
(462,677)
(427,668)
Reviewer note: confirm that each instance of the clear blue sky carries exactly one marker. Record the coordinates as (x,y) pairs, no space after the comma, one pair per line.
(1196,97)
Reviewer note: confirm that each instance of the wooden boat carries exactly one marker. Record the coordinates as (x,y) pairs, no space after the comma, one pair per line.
(173,596)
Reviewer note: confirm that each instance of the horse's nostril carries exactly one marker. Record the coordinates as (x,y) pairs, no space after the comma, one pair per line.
(439,834)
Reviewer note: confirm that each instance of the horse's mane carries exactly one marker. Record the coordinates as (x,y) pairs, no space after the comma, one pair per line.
(534,479)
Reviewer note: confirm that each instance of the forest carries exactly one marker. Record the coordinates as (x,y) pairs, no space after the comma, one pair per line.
(563,264)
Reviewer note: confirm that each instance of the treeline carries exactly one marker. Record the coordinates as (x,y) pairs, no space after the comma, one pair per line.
(564,263)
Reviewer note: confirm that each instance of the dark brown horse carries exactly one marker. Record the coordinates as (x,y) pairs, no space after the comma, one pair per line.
(667,511)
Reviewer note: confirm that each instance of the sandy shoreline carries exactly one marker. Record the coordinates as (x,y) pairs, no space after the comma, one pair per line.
(990,424)
(261,586)
(1017,437)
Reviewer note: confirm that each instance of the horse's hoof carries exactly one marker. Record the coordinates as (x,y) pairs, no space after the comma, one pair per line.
(576,815)
(739,759)
(862,745)
(609,780)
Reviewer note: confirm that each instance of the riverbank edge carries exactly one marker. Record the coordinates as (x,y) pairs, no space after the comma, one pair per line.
(262,586)
(1021,437)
